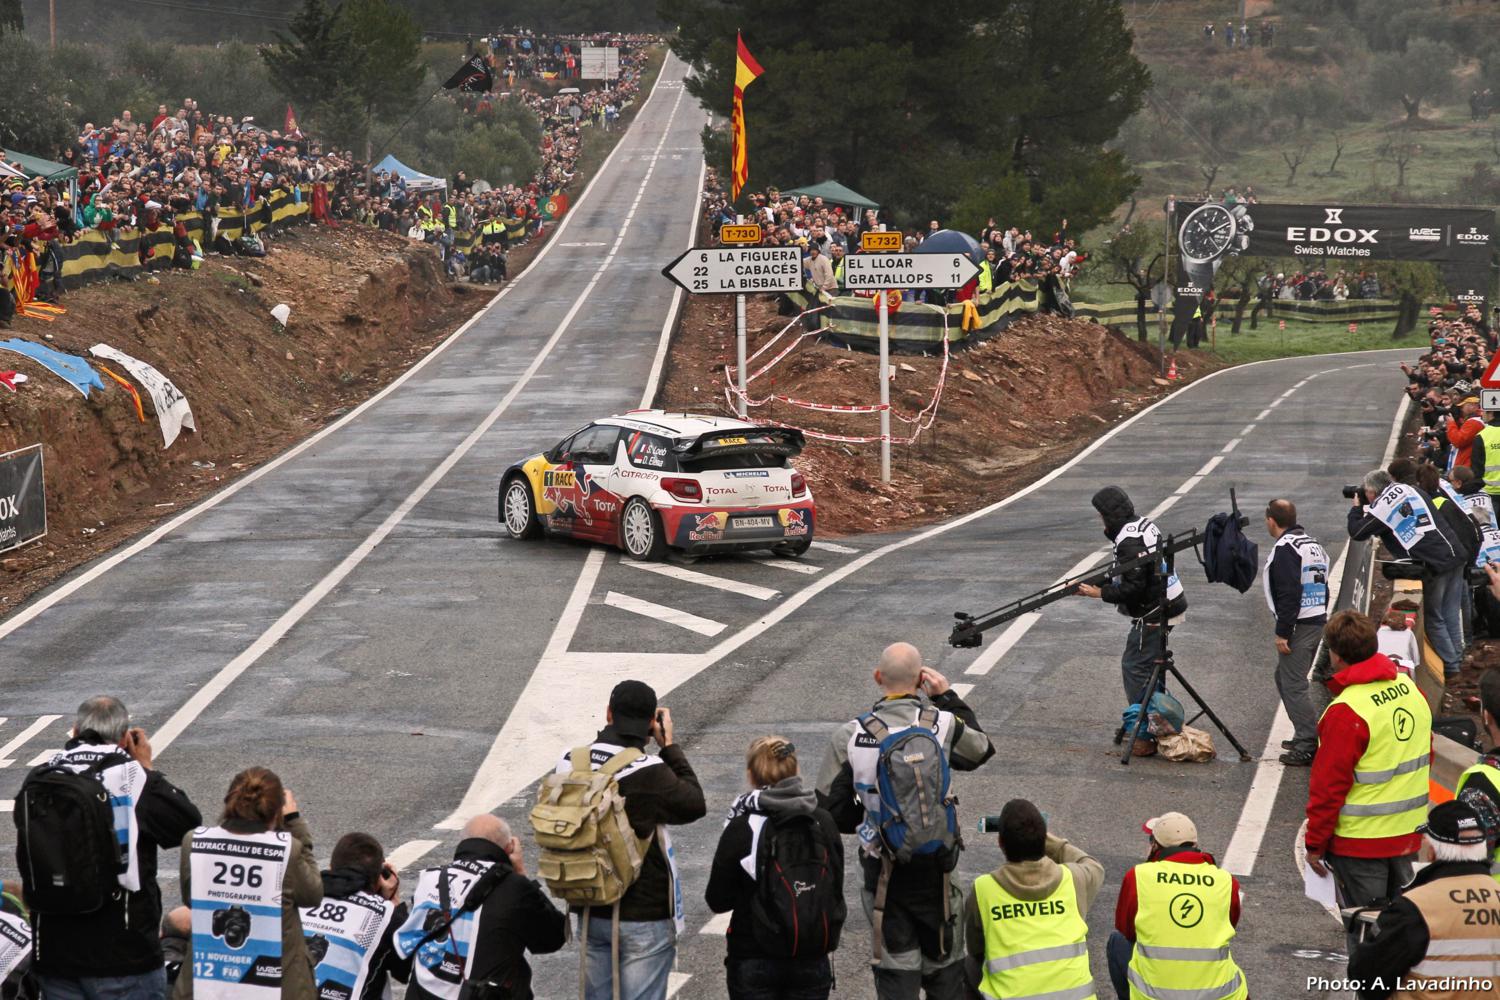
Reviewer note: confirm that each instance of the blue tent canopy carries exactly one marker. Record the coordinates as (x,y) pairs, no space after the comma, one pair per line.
(415,179)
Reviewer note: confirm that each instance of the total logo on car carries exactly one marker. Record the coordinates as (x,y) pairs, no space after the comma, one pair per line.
(651,480)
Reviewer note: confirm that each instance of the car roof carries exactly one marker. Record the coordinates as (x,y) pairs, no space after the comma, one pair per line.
(676,423)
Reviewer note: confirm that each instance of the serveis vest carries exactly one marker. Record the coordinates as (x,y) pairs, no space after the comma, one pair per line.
(1389,794)
(1033,948)
(1489,437)
(1150,535)
(1314,603)
(1182,934)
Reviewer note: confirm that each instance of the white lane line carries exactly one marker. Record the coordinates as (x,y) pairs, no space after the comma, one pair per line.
(1247,430)
(676,981)
(1263,414)
(403,857)
(559,706)
(1003,643)
(75,584)
(1164,506)
(703,579)
(790,565)
(1290,391)
(962,690)
(1188,486)
(658,363)
(43,757)
(718,925)
(1255,816)
(1231,446)
(21,738)
(835,547)
(209,692)
(7,805)
(1301,384)
(1209,466)
(662,613)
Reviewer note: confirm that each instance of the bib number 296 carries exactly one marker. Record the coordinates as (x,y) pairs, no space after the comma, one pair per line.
(238,875)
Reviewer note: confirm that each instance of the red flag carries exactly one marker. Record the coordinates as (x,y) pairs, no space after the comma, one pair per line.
(291,123)
(746,72)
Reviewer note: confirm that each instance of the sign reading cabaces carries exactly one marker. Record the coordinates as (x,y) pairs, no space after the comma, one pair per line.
(23,504)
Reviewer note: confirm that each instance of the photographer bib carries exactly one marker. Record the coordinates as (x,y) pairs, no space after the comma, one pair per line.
(1489,547)
(442,963)
(1150,536)
(236,906)
(1313,601)
(1480,507)
(342,935)
(15,941)
(1402,509)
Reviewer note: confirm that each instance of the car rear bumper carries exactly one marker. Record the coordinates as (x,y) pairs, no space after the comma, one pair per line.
(701,529)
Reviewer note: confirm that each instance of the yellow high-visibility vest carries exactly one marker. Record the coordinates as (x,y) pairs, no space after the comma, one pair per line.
(1389,794)
(1033,948)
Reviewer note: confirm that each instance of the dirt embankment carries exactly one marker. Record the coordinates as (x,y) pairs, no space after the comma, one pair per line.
(365,306)
(1012,408)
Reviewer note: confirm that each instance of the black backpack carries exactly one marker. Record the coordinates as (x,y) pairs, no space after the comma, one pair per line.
(1228,556)
(65,838)
(798,907)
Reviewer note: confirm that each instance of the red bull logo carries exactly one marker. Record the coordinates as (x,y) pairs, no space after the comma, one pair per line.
(706,527)
(795,520)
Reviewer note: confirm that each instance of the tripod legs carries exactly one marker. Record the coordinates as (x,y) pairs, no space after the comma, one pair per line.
(1165,665)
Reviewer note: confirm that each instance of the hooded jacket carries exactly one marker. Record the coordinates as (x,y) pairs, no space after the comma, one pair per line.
(1133,593)
(732,879)
(341,883)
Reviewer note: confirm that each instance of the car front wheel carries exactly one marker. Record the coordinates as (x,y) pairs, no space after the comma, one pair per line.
(641,531)
(518,509)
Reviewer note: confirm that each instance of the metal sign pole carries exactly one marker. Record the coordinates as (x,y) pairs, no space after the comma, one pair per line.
(1166,276)
(883,308)
(739,336)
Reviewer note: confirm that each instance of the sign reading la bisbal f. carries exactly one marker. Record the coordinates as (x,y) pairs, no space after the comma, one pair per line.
(23,503)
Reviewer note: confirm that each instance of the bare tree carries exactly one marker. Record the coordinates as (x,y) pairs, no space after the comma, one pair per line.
(1293,159)
(1210,171)
(1338,150)
(1399,150)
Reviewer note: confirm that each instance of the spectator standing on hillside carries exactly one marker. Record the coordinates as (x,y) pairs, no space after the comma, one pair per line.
(114,952)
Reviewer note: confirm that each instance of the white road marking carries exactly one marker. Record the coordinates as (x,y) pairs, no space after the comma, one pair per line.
(790,565)
(209,692)
(962,690)
(1262,414)
(1231,446)
(71,587)
(662,613)
(7,805)
(985,661)
(835,547)
(1166,505)
(20,739)
(703,579)
(718,924)
(563,702)
(676,981)
(1187,486)
(43,757)
(1247,430)
(1290,391)
(1209,466)
(1255,816)
(403,857)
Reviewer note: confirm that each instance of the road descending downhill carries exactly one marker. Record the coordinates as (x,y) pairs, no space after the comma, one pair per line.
(352,616)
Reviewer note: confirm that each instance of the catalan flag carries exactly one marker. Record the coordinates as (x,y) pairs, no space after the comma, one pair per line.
(746,72)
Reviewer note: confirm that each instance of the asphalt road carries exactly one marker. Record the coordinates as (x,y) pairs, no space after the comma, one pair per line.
(352,617)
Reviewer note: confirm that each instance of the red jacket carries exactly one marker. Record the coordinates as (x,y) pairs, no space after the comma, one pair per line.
(1461,437)
(1342,740)
(1128,903)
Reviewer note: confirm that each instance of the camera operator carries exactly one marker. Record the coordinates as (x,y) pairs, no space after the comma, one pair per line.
(1464,425)
(1037,949)
(1403,517)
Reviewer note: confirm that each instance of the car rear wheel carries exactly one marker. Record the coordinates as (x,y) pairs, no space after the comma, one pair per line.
(518,509)
(641,531)
(793,549)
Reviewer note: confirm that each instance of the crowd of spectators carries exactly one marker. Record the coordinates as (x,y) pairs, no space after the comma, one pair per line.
(1318,285)
(1445,378)
(520,53)
(1241,37)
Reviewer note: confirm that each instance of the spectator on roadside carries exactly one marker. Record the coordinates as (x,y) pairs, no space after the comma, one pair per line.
(259,857)
(819,270)
(114,952)
(498,916)
(1463,428)
(351,932)
(1397,642)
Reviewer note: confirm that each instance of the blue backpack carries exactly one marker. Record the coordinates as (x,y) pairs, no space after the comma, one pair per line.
(1228,556)
(916,814)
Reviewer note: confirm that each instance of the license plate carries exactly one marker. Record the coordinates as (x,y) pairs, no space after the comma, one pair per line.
(754,522)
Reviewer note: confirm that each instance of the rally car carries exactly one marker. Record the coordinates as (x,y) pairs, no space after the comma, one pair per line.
(650,480)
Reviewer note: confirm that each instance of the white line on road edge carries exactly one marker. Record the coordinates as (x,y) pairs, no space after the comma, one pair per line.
(1209,466)
(1262,415)
(408,853)
(676,981)
(44,756)
(1231,446)
(1260,802)
(962,690)
(7,805)
(25,734)
(1003,643)
(662,613)
(718,924)
(83,579)
(703,579)
(1247,430)
(835,547)
(790,565)
(205,695)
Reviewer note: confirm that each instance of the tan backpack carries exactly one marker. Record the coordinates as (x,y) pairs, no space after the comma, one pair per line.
(590,854)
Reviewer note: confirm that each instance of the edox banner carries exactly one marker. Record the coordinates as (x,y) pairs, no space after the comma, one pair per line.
(1328,237)
(23,504)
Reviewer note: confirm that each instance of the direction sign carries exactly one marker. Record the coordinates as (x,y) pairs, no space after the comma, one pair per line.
(738,270)
(908,270)
(1489,399)
(886,242)
(739,232)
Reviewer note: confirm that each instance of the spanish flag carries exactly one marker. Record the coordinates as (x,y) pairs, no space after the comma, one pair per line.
(746,72)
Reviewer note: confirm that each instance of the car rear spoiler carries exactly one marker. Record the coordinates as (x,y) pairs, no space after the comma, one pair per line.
(786,442)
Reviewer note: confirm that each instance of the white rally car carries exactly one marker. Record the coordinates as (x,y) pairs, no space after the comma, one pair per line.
(649,480)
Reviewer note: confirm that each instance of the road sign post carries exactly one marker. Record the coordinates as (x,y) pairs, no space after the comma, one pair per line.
(743,407)
(883,310)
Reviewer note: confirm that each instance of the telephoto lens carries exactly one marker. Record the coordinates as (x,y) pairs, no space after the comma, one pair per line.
(1350,492)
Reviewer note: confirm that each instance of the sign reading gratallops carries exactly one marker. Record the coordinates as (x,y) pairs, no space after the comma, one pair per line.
(23,504)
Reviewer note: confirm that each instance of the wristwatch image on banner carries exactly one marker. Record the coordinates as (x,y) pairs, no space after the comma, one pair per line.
(1209,234)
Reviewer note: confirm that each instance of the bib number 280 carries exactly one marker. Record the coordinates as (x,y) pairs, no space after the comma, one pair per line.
(238,875)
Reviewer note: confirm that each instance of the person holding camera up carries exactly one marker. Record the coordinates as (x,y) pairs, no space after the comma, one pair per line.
(244,881)
(779,872)
(1024,922)
(878,780)
(98,940)
(474,919)
(349,934)
(1296,586)
(1403,517)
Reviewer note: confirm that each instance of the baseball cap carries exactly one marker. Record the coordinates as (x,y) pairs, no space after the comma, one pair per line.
(1469,399)
(1171,829)
(632,704)
(1454,823)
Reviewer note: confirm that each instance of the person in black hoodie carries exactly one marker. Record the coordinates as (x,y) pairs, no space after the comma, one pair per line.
(115,953)
(359,881)
(1136,593)
(777,802)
